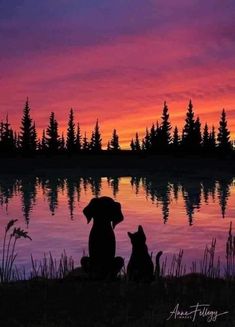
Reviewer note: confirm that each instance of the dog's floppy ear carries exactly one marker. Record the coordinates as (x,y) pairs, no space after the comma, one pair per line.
(117,215)
(90,209)
(129,234)
(141,231)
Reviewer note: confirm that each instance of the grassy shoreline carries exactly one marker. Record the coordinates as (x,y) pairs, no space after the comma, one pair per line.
(68,303)
(72,302)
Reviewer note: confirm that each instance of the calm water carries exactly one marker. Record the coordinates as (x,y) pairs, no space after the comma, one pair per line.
(175,214)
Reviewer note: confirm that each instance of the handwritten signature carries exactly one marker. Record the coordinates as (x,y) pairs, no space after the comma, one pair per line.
(195,311)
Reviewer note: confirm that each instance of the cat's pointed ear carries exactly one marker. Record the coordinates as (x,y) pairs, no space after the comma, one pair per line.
(141,231)
(129,234)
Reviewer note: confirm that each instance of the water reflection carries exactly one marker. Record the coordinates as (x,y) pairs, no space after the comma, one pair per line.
(161,191)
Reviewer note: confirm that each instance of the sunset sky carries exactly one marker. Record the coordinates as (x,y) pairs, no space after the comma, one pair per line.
(118,61)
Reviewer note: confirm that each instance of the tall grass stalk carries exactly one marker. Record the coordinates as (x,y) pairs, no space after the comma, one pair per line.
(8,250)
(50,268)
(177,268)
(230,255)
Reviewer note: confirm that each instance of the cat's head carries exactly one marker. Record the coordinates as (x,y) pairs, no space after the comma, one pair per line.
(138,238)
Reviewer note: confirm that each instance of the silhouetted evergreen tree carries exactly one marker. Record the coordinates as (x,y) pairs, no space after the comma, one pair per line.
(34,137)
(137,146)
(78,139)
(165,136)
(146,143)
(155,138)
(28,197)
(7,140)
(205,138)
(16,141)
(1,130)
(224,193)
(52,139)
(192,198)
(71,138)
(71,196)
(114,183)
(189,127)
(197,135)
(224,144)
(28,132)
(132,145)
(191,138)
(152,137)
(85,143)
(62,143)
(43,142)
(114,143)
(96,141)
(176,139)
(212,140)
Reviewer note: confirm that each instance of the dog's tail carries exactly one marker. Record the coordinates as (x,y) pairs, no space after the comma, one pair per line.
(157,267)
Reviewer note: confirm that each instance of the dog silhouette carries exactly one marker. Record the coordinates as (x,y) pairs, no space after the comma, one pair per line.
(106,214)
(140,266)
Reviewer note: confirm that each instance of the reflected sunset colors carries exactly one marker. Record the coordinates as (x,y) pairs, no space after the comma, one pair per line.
(176,214)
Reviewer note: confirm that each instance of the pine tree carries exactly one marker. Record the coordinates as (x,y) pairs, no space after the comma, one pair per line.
(71,138)
(114,143)
(152,137)
(85,144)
(52,139)
(96,141)
(132,145)
(189,128)
(205,138)
(143,144)
(34,138)
(7,138)
(197,135)
(224,144)
(146,143)
(165,136)
(28,132)
(176,139)
(1,134)
(78,139)
(212,140)
(16,141)
(155,138)
(43,142)
(137,143)
(108,146)
(62,143)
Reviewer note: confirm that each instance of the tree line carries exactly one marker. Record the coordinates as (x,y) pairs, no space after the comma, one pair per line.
(160,138)
(193,139)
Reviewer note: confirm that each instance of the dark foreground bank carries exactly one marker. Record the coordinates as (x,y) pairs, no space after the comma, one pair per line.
(124,164)
(68,303)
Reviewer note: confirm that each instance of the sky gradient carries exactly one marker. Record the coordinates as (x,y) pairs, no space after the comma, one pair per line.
(117,61)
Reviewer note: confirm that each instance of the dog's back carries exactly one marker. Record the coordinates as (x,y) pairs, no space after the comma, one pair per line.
(102,245)
(140,266)
(106,214)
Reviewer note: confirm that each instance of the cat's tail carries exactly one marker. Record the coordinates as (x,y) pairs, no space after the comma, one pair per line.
(157,266)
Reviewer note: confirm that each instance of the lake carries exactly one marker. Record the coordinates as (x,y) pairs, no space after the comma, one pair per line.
(175,214)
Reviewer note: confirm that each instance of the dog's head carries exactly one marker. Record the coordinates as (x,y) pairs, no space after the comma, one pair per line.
(138,238)
(105,208)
